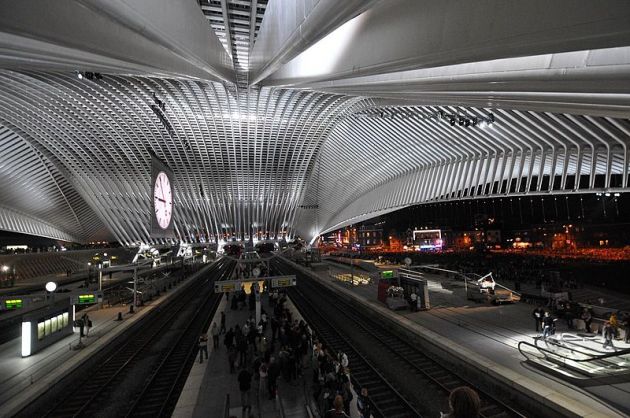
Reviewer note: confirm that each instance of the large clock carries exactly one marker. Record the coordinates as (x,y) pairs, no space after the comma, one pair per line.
(163,200)
(162,195)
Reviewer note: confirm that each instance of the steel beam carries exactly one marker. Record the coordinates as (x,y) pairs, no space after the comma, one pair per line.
(430,34)
(291,26)
(112,36)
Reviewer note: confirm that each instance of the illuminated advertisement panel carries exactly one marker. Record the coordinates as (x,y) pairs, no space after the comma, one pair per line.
(40,331)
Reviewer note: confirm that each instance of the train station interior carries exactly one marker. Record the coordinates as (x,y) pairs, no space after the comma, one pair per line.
(314,208)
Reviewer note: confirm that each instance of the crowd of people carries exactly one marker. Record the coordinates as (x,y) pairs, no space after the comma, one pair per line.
(278,347)
(262,352)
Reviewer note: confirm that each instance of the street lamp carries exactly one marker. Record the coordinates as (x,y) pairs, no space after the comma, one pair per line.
(50,288)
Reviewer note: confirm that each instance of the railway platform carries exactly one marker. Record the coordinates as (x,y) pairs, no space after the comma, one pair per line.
(210,382)
(25,378)
(486,338)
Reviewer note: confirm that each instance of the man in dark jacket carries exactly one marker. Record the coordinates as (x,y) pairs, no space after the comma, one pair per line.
(245,385)
(274,373)
(547,325)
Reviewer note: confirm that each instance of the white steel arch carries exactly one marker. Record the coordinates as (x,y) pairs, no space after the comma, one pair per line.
(386,158)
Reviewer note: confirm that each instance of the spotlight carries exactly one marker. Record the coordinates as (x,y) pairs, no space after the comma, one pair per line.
(617,194)
(79,75)
(607,194)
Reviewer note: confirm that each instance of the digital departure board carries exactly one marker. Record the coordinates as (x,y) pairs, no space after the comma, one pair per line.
(387,274)
(13,304)
(85,299)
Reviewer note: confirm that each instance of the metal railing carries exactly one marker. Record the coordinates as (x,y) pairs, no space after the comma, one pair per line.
(601,367)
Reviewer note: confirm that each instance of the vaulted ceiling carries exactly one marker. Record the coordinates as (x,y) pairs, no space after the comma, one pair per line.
(287,117)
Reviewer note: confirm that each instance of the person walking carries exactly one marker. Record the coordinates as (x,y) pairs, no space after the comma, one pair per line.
(245,386)
(547,325)
(232,359)
(214,331)
(228,339)
(364,404)
(263,382)
(587,318)
(263,320)
(626,329)
(538,314)
(274,373)
(608,333)
(222,330)
(88,324)
(203,347)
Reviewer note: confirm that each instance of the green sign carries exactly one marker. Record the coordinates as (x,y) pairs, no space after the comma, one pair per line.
(84,299)
(13,303)
(387,274)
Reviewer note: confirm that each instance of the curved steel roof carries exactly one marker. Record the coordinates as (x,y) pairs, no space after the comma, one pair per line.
(344,121)
(240,160)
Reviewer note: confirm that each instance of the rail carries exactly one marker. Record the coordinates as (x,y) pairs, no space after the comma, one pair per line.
(117,361)
(188,356)
(360,356)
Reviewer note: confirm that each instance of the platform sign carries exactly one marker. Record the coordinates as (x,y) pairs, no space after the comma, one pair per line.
(87,298)
(283,281)
(83,299)
(12,304)
(387,274)
(226,286)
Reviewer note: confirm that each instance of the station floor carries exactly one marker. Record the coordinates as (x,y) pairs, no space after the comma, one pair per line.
(208,383)
(492,332)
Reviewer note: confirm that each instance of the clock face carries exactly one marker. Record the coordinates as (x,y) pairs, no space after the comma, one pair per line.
(163,200)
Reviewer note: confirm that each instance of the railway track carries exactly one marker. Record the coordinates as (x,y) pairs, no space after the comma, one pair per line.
(144,370)
(323,309)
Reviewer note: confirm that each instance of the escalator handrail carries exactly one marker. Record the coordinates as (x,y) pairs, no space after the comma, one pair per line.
(556,354)
(593,357)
